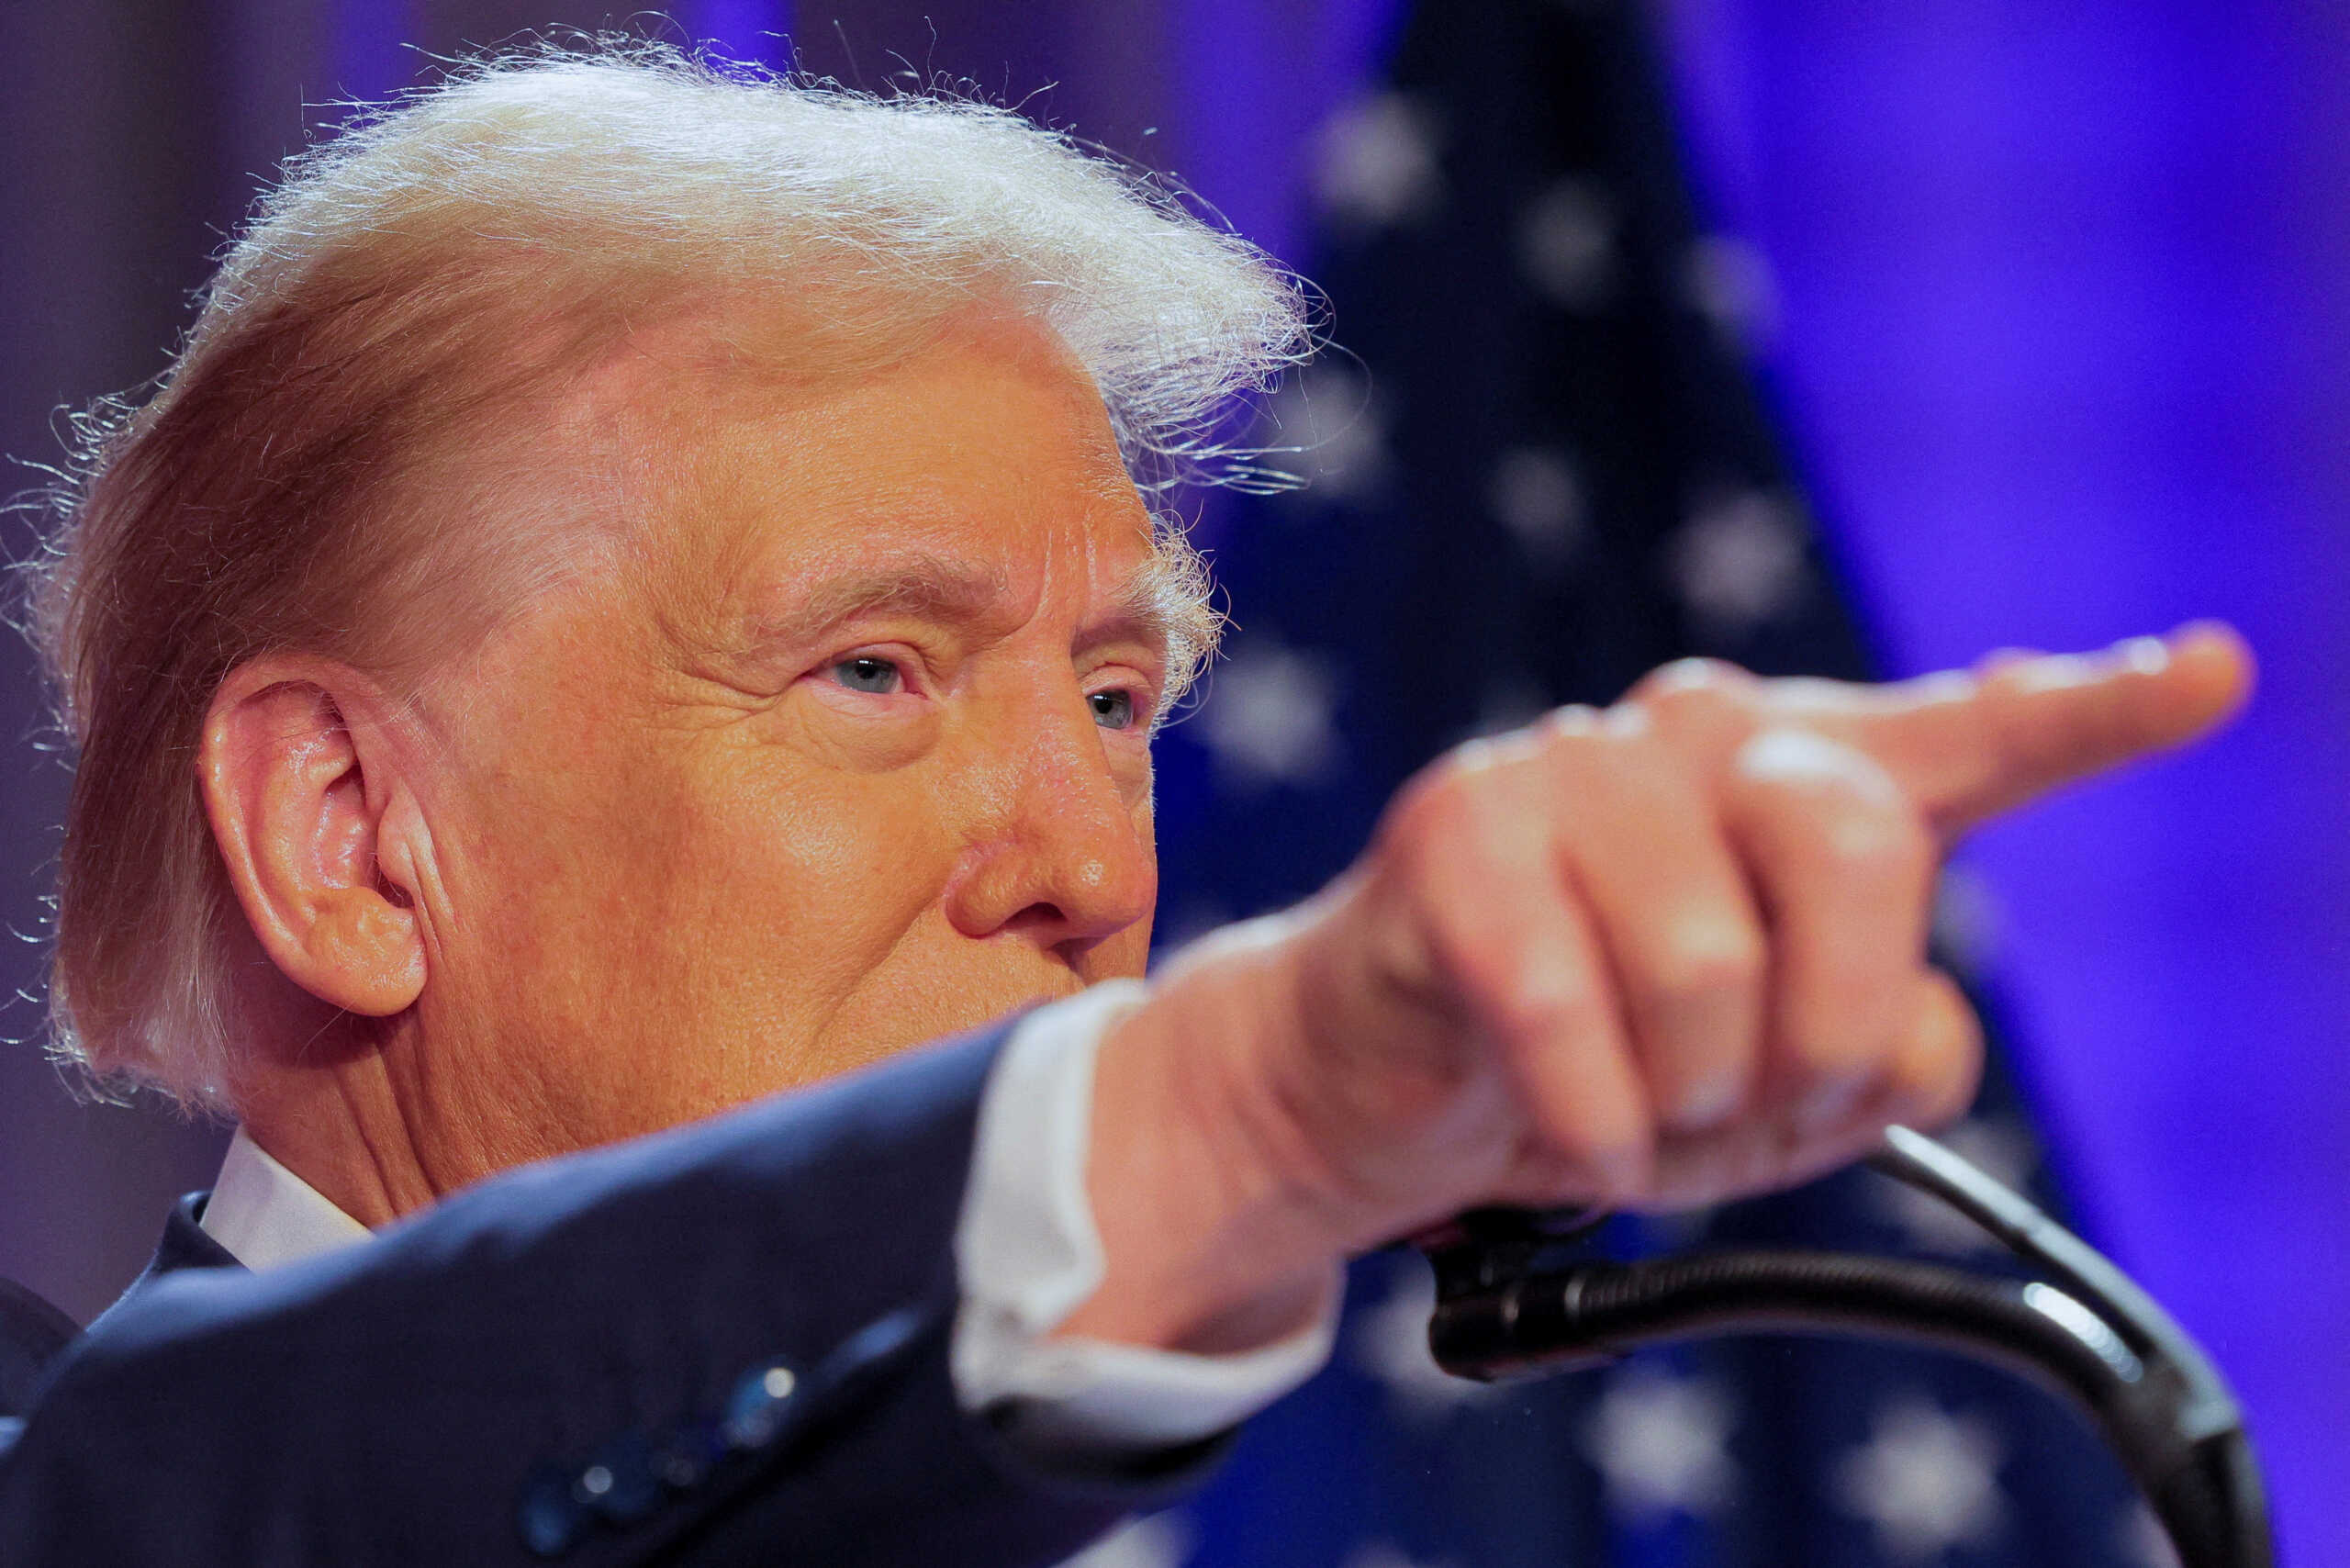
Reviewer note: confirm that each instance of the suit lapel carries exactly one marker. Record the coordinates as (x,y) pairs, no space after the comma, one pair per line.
(186,1244)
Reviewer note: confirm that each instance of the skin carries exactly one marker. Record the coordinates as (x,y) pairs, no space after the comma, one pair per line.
(658,852)
(672,839)
(1653,958)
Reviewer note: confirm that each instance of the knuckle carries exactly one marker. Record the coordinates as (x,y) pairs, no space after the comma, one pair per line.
(1609,1157)
(1698,694)
(1826,1053)
(1690,707)
(1596,771)
(1707,956)
(1541,1016)
(1573,733)
(1803,764)
(1831,1041)
(1693,681)
(1912,853)
(1837,797)
(1432,808)
(1878,847)
(1575,720)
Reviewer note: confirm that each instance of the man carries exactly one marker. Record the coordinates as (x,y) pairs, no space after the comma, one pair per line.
(637,597)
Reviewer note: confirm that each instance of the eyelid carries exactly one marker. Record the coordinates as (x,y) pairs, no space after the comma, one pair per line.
(1149,670)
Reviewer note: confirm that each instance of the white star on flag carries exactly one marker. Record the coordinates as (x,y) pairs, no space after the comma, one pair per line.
(1329,432)
(1739,563)
(1925,1481)
(1730,284)
(1566,244)
(1379,161)
(1268,715)
(1661,1443)
(1537,496)
(1391,1343)
(1511,702)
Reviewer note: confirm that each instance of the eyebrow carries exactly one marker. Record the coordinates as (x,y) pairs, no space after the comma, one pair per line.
(1157,604)
(923,585)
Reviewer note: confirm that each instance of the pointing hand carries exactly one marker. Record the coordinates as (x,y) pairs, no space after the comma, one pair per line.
(1659,955)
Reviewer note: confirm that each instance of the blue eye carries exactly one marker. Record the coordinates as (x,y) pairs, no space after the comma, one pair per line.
(868,673)
(1112,709)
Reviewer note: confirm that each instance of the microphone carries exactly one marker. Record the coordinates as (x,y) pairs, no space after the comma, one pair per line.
(1518,1295)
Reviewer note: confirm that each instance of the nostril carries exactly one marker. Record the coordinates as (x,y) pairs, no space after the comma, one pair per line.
(1040,915)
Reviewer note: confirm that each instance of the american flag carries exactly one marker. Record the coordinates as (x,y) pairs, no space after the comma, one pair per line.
(1541,467)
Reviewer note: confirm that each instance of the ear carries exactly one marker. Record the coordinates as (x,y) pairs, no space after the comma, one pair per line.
(300,771)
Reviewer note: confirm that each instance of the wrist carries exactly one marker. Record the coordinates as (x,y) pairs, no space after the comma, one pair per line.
(1211,1242)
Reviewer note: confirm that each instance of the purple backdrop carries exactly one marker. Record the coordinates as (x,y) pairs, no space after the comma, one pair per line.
(2060,295)
(2061,301)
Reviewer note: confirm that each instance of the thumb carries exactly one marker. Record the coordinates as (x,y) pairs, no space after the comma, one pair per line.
(1968,746)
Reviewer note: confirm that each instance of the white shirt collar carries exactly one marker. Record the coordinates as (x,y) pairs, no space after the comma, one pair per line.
(266,1215)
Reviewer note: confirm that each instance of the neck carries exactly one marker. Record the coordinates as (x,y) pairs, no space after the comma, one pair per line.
(342,1102)
(345,1137)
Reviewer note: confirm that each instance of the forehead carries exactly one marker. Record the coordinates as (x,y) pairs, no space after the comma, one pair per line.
(983,443)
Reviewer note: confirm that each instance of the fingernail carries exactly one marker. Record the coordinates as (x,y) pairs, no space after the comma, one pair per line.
(2143,655)
(1708,1102)
(1829,1103)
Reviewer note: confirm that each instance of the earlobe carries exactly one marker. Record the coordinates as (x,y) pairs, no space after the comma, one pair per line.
(368,953)
(297,794)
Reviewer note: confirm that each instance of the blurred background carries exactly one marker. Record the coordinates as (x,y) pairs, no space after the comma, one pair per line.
(1823,336)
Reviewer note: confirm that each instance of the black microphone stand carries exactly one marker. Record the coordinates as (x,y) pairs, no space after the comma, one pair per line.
(1514,1299)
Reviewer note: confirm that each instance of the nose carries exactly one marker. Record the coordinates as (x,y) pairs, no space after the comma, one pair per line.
(1061,857)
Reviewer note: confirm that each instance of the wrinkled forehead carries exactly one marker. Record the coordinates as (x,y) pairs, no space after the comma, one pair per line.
(749,448)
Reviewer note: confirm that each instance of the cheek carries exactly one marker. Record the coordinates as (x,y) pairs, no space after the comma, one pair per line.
(796,929)
(680,888)
(785,890)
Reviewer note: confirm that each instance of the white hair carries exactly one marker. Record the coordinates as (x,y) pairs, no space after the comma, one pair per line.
(474,239)
(722,173)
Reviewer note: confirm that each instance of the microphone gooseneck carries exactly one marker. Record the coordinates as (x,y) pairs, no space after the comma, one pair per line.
(1514,1300)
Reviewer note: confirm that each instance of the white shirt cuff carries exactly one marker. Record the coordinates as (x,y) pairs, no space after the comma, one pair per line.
(1029,1255)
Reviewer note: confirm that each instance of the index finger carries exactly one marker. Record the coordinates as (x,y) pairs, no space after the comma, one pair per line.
(1968,746)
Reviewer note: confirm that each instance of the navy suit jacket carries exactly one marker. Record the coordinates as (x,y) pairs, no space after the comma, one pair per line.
(724,1344)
